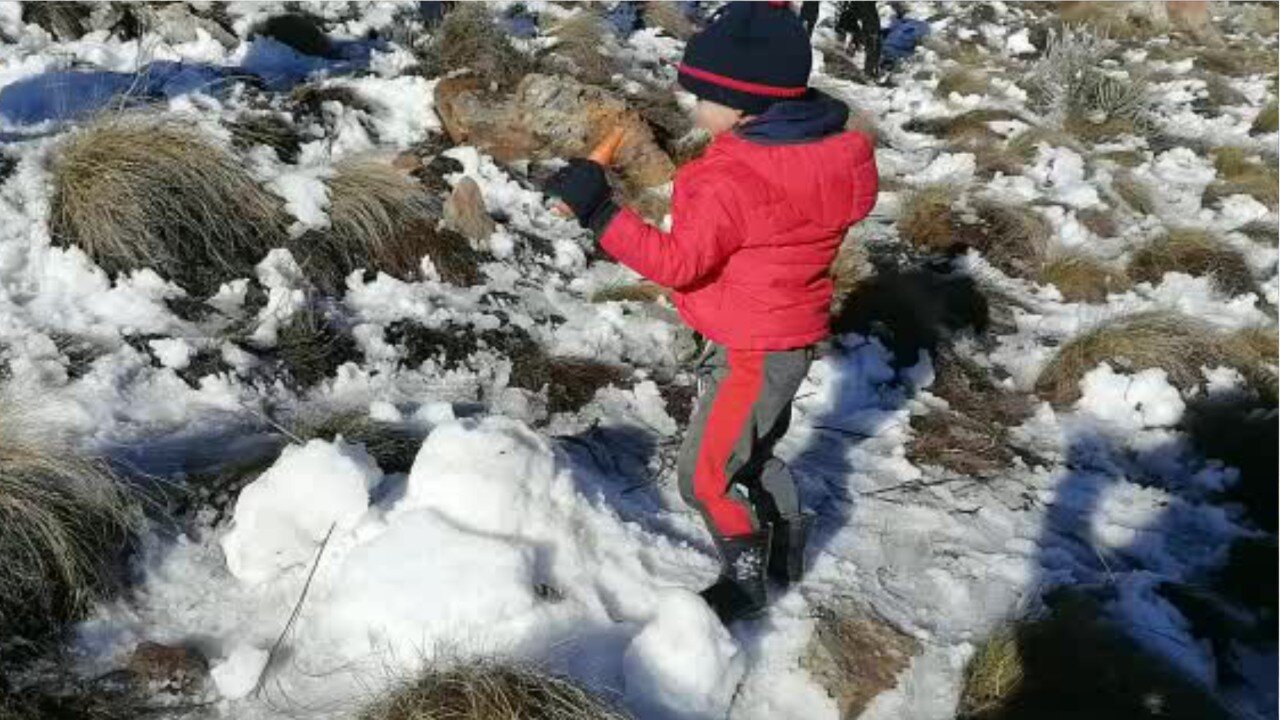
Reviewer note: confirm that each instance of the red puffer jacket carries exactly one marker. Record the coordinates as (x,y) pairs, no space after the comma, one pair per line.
(756,223)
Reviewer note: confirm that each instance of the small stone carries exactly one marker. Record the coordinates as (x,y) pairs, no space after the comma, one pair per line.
(168,669)
(465,213)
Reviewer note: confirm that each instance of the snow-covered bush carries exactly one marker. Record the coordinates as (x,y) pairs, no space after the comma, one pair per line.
(579,40)
(1177,344)
(1192,252)
(488,690)
(382,219)
(1076,93)
(151,191)
(64,520)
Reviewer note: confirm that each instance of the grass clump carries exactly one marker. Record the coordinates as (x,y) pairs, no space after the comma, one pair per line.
(65,520)
(962,81)
(393,446)
(310,348)
(579,40)
(1134,193)
(1035,668)
(490,690)
(1241,174)
(469,37)
(1267,121)
(382,219)
(642,292)
(670,18)
(1192,252)
(140,190)
(1083,278)
(1175,343)
(927,219)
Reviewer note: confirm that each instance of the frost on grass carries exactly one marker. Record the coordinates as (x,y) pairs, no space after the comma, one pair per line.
(65,520)
(1080,96)
(470,37)
(150,191)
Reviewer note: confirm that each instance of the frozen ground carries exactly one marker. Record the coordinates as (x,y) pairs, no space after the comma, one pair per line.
(561,538)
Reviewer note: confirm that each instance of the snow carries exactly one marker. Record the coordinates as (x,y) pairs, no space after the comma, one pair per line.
(237,675)
(282,517)
(561,539)
(683,664)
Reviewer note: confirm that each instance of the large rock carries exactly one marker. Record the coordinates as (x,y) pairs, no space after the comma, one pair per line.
(855,655)
(552,116)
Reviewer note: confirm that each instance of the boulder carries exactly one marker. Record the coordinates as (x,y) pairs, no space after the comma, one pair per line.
(171,669)
(464,212)
(855,655)
(551,116)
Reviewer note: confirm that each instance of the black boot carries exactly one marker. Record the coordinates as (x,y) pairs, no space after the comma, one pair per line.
(786,549)
(740,592)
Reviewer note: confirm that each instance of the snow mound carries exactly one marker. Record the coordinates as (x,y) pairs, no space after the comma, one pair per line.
(282,517)
(683,663)
(1131,402)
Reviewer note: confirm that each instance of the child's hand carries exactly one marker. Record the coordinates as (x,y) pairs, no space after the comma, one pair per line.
(583,187)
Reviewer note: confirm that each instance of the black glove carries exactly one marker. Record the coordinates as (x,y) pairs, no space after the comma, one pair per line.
(583,187)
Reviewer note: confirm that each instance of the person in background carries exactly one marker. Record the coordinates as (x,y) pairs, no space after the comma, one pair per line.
(755,225)
(861,22)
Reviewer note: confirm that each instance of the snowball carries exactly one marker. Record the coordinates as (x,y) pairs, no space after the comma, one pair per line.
(683,663)
(1142,400)
(282,517)
(484,475)
(173,353)
(425,583)
(237,675)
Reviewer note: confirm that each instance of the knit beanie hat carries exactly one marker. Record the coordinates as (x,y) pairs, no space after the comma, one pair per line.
(752,55)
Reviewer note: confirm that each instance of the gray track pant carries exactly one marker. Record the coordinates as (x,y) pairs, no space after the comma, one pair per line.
(726,468)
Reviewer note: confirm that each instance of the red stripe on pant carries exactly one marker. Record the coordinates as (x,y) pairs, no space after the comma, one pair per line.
(731,410)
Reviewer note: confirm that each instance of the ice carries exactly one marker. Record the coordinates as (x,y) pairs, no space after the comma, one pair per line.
(683,664)
(282,517)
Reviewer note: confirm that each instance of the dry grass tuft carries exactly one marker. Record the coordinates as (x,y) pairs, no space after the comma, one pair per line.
(1260,342)
(139,190)
(1193,252)
(1240,60)
(1240,174)
(1175,343)
(962,81)
(470,37)
(1032,668)
(927,219)
(1083,278)
(491,690)
(580,38)
(1267,121)
(1011,237)
(1134,193)
(670,18)
(269,129)
(994,673)
(382,219)
(1026,144)
(851,267)
(64,521)
(570,382)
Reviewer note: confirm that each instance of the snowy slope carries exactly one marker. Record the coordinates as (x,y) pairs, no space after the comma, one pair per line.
(562,538)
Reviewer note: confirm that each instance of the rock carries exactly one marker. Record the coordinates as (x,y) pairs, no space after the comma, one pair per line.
(552,116)
(855,655)
(464,211)
(169,669)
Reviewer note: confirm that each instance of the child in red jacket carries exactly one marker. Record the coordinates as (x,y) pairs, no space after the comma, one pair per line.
(756,223)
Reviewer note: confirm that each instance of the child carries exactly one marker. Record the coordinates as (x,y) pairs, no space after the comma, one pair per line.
(756,222)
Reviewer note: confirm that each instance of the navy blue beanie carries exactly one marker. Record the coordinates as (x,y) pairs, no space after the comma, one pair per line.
(752,55)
